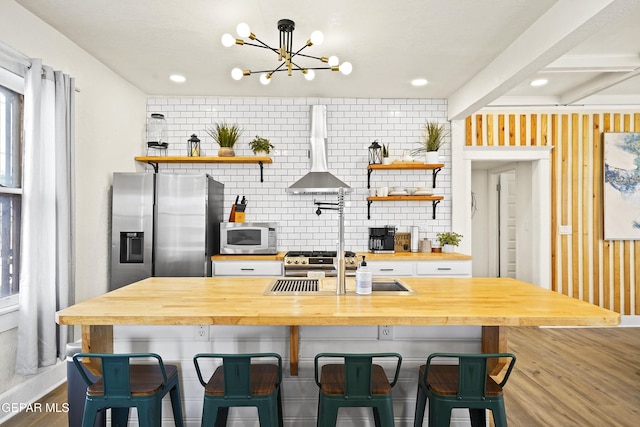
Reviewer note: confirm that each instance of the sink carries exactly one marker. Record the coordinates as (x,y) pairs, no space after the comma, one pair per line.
(392,285)
(327,286)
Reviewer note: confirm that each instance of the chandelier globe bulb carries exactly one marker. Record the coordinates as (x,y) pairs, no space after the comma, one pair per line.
(317,38)
(236,74)
(309,75)
(333,61)
(346,68)
(228,40)
(264,79)
(243,30)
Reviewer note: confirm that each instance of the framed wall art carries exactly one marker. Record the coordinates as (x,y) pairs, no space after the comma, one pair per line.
(621,185)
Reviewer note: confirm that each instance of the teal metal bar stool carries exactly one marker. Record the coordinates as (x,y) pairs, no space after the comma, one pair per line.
(465,385)
(358,382)
(238,382)
(124,385)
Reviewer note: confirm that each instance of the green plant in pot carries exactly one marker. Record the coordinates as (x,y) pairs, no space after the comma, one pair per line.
(433,139)
(385,154)
(226,136)
(260,145)
(449,240)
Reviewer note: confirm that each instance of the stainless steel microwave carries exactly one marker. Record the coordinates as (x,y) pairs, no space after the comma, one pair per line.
(239,238)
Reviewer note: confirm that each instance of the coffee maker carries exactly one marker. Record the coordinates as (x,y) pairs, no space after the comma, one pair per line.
(382,239)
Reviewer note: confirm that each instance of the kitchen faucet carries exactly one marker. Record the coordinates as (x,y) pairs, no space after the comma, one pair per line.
(341,284)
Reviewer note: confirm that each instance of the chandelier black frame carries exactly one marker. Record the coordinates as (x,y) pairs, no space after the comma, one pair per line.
(285,53)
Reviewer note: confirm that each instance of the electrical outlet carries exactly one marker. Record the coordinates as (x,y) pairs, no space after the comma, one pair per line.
(202,333)
(385,332)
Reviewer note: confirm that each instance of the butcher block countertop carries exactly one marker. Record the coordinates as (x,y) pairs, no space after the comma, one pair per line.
(398,256)
(488,302)
(241,301)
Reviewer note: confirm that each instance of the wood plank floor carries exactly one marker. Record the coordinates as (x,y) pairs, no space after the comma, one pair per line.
(43,418)
(574,377)
(563,378)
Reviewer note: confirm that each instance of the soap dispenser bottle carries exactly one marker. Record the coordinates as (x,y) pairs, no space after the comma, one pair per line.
(363,278)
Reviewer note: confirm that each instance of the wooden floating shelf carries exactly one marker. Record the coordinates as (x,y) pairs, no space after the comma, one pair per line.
(203,159)
(408,165)
(433,199)
(376,198)
(155,160)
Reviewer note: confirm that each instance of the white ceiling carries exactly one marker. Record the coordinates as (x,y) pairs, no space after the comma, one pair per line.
(472,52)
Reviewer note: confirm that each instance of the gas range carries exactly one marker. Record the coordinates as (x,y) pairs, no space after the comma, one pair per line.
(300,263)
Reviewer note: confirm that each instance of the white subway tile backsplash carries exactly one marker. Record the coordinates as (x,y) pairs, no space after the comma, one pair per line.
(352,124)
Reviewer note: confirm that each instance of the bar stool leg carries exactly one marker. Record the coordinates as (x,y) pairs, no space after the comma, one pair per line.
(421,403)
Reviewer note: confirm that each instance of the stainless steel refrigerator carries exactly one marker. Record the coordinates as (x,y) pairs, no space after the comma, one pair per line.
(163,225)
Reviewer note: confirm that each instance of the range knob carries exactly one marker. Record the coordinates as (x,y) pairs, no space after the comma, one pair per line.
(296,261)
(304,261)
(288,261)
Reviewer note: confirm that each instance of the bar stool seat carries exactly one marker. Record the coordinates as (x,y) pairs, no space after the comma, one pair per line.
(465,385)
(238,382)
(358,382)
(124,385)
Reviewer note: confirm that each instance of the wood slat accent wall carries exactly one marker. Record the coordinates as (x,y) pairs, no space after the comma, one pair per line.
(583,265)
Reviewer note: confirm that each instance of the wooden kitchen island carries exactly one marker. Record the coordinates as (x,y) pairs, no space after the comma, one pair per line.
(488,302)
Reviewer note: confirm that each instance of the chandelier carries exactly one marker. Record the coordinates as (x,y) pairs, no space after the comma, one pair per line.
(285,53)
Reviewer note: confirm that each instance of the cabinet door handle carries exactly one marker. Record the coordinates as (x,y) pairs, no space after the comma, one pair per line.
(444,268)
(247,269)
(386,269)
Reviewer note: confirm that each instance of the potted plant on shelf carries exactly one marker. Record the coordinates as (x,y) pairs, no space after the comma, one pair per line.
(226,136)
(260,146)
(386,160)
(432,140)
(449,240)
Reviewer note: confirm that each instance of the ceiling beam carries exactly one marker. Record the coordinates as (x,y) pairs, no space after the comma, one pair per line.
(594,63)
(561,28)
(595,85)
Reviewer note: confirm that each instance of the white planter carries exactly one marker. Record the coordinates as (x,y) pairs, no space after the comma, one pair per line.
(386,160)
(431,157)
(448,249)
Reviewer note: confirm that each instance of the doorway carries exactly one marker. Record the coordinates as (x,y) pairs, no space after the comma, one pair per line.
(495,219)
(519,248)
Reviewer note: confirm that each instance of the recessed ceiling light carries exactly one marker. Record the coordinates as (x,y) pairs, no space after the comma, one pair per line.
(177,78)
(419,82)
(539,82)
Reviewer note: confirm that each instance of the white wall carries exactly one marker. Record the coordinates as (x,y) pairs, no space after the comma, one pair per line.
(110,115)
(353,124)
(481,242)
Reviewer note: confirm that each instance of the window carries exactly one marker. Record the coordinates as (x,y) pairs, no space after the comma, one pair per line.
(11,119)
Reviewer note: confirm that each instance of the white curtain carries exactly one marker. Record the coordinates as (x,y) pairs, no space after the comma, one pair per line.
(47,245)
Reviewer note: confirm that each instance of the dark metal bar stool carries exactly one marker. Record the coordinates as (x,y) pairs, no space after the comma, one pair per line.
(357,382)
(124,385)
(465,385)
(238,382)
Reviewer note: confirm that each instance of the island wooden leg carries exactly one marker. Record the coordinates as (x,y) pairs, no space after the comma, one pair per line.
(494,340)
(293,350)
(96,339)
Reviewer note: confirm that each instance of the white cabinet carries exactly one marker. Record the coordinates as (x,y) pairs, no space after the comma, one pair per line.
(444,268)
(391,268)
(247,268)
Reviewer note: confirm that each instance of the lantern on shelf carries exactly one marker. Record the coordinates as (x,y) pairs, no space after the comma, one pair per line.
(194,146)
(375,153)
